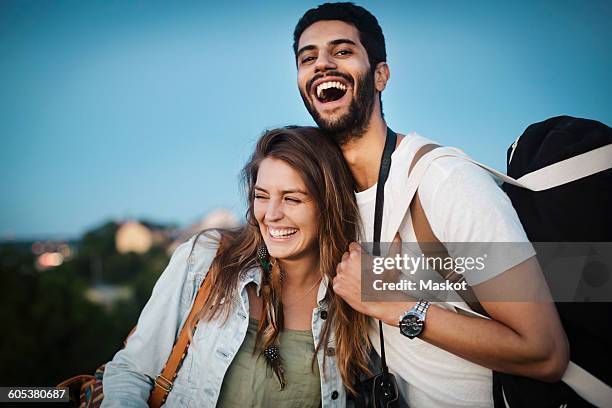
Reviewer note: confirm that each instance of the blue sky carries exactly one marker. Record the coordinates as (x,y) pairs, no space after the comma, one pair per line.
(115,109)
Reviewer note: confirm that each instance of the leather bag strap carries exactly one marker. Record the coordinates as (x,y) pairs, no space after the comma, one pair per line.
(431,245)
(165,380)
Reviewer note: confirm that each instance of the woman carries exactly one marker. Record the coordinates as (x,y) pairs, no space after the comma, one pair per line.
(301,207)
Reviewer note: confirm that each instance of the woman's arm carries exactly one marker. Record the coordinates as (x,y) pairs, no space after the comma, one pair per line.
(129,377)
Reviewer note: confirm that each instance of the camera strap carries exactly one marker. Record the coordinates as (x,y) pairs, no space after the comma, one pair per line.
(383,174)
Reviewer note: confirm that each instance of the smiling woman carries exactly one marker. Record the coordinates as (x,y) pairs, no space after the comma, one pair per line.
(264,336)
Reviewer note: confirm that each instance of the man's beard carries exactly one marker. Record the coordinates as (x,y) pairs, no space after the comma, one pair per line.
(354,123)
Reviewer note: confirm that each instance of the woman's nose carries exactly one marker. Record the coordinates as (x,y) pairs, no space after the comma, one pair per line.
(274,211)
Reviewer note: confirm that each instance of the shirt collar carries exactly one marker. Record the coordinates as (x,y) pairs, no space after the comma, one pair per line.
(322,293)
(253,275)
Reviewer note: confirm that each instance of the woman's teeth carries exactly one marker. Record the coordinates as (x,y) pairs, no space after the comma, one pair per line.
(282,232)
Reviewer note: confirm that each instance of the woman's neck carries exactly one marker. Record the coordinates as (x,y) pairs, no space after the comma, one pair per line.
(300,273)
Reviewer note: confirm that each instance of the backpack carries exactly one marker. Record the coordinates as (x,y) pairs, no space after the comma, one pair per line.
(579,211)
(560,183)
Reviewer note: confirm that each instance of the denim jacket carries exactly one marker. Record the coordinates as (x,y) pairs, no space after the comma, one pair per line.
(129,377)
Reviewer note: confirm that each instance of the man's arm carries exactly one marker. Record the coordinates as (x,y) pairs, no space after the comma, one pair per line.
(524,338)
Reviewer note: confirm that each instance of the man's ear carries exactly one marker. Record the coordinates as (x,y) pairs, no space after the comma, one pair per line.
(381,76)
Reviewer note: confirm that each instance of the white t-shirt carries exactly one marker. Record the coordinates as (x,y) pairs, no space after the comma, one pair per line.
(462,203)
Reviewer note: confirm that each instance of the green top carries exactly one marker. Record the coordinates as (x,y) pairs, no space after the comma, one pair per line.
(249,382)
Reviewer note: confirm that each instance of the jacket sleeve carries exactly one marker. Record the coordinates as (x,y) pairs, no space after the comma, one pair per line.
(129,377)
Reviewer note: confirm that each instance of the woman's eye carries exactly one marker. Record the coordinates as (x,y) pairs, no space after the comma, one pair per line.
(292,200)
(260,197)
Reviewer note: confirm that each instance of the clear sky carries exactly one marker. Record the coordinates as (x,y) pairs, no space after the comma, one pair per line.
(114,109)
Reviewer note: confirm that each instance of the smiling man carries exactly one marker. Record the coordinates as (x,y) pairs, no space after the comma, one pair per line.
(445,360)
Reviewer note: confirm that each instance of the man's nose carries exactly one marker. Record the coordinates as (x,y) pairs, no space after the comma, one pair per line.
(274,211)
(324,62)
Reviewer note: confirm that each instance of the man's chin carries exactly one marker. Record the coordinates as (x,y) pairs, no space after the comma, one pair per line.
(333,122)
(329,121)
(343,123)
(336,123)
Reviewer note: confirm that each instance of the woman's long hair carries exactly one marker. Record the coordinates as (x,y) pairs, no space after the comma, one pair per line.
(328,180)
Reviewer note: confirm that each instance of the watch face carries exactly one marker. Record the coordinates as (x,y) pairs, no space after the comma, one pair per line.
(411,325)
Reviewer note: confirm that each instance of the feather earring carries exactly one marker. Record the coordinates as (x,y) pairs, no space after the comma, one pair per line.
(264,260)
(271,285)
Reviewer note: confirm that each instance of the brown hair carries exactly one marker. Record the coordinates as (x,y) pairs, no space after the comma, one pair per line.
(328,180)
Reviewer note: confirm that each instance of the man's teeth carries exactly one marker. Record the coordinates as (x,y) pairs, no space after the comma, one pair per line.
(332,84)
(281,232)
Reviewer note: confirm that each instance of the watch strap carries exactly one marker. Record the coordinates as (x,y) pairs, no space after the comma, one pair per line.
(421,307)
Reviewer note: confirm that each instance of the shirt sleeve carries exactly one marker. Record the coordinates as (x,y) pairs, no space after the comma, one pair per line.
(473,217)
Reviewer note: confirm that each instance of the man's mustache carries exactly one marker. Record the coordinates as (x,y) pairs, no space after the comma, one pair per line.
(328,74)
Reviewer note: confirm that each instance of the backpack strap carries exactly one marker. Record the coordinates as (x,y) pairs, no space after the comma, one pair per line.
(431,245)
(559,173)
(587,385)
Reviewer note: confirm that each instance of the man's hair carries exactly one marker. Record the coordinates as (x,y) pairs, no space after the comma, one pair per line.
(370,33)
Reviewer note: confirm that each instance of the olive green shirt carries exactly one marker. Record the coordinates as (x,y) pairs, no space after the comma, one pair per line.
(249,382)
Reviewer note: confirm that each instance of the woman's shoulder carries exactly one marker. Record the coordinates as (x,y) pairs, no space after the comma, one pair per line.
(199,250)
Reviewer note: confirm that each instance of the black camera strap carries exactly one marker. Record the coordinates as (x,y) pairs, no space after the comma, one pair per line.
(383,174)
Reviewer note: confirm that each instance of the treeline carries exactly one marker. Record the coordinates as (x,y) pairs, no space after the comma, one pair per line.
(50,331)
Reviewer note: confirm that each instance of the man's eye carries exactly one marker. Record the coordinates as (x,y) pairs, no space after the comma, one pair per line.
(307,59)
(344,52)
(260,197)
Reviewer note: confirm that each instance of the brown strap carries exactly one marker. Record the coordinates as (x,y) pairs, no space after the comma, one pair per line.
(164,381)
(430,245)
(128,336)
(77,379)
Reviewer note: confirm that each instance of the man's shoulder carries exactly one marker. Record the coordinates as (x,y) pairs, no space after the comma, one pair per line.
(411,143)
(438,170)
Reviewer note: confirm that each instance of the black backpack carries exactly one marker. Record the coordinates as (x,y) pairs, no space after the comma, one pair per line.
(579,211)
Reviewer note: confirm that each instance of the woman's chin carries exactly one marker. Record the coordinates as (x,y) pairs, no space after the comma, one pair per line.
(279,253)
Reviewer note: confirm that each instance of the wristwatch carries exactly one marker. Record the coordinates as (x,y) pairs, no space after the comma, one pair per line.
(412,322)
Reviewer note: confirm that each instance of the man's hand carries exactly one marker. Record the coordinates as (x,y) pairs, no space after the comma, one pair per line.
(347,284)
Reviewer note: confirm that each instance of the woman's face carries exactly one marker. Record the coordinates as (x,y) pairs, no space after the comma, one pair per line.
(285,211)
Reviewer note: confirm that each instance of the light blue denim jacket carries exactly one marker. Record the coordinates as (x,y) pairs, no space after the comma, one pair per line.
(128,378)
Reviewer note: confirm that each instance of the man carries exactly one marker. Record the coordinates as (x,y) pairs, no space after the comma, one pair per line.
(342,71)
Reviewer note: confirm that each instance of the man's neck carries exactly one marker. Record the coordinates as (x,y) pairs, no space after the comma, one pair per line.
(363,154)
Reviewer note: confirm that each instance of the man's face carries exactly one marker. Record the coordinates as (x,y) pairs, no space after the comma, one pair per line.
(335,78)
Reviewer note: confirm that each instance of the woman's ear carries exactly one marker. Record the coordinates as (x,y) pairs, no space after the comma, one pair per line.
(381,76)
